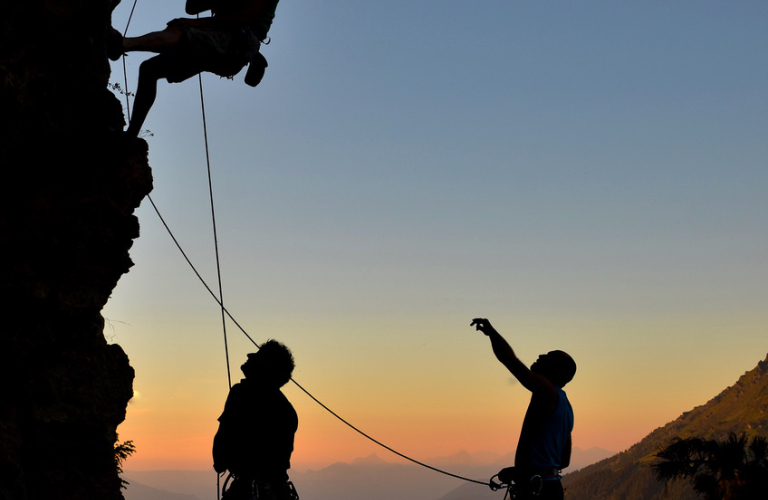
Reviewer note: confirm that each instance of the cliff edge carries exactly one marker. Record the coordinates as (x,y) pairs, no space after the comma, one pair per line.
(70,184)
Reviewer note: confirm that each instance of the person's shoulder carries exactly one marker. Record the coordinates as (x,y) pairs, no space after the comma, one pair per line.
(239,386)
(561,392)
(564,396)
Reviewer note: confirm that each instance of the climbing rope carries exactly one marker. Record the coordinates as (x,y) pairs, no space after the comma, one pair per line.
(326,408)
(225,313)
(125,69)
(210,186)
(215,235)
(213,213)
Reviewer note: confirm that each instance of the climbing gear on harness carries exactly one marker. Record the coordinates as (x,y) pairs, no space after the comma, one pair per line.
(257,489)
(518,482)
(506,479)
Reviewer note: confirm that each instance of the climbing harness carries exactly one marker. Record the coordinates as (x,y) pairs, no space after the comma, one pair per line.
(255,489)
(225,313)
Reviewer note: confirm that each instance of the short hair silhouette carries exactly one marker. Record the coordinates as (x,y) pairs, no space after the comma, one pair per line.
(278,362)
(566,368)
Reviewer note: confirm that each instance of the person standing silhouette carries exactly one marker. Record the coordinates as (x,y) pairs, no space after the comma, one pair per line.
(256,431)
(544,448)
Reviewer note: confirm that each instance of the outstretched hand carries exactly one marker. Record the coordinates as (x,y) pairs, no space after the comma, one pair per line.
(483,325)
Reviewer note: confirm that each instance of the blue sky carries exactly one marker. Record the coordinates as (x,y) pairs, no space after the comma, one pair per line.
(586,174)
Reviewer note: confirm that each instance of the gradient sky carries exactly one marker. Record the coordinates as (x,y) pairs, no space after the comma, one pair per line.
(589,175)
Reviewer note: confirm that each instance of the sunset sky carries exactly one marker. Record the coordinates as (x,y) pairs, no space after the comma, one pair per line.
(589,175)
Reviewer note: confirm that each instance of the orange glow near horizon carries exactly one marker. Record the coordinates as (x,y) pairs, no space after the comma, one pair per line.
(588,193)
(181,438)
(447,395)
(322,440)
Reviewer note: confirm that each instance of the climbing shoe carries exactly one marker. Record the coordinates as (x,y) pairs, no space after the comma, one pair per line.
(255,70)
(114,44)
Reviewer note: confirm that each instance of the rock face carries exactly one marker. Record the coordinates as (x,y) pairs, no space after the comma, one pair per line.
(70,183)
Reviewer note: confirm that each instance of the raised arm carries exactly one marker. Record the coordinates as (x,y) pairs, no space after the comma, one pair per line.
(534,382)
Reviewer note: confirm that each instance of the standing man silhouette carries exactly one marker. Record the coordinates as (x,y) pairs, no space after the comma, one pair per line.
(256,430)
(544,448)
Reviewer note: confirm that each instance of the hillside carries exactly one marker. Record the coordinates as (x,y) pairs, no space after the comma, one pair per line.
(627,476)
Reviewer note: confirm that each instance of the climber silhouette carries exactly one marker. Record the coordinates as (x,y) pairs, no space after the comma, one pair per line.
(544,448)
(221,44)
(256,430)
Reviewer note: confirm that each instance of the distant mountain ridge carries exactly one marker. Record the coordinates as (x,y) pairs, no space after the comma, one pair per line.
(742,407)
(368,478)
(142,492)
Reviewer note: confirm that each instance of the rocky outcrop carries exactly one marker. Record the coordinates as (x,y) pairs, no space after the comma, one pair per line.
(70,183)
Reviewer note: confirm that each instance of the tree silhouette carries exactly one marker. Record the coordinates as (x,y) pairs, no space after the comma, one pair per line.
(122,452)
(733,469)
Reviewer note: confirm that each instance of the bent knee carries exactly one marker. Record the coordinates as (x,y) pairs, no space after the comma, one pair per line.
(152,69)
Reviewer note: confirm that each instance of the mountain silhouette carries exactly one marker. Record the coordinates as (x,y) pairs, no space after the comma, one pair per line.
(138,491)
(741,408)
(368,478)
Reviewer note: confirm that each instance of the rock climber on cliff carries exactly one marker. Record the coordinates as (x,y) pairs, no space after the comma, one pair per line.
(222,44)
